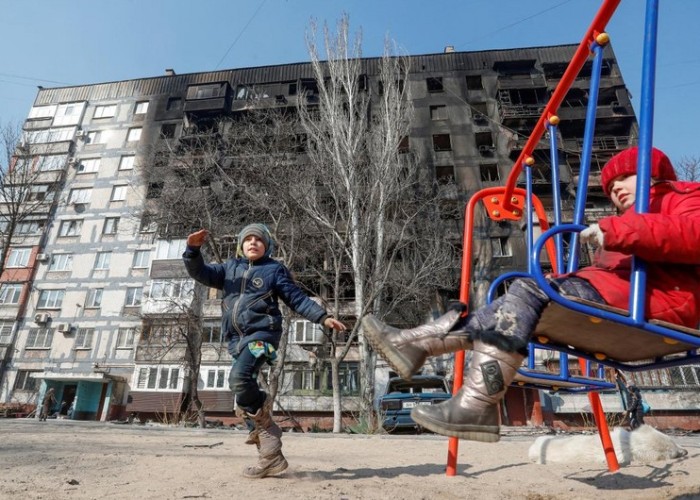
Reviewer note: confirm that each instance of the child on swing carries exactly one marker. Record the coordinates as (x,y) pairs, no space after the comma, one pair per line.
(667,238)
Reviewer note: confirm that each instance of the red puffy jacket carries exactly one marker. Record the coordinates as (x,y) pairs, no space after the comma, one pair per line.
(668,239)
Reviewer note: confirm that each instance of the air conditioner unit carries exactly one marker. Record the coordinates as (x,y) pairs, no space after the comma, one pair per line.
(63,328)
(42,318)
(43,257)
(81,134)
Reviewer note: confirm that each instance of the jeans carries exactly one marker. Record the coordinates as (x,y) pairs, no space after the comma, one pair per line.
(243,379)
(509,321)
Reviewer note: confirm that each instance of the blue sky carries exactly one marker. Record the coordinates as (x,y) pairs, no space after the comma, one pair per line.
(61,42)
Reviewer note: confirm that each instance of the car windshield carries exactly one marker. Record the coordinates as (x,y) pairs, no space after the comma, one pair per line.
(417,386)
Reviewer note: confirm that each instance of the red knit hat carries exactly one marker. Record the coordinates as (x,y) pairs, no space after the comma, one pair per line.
(625,163)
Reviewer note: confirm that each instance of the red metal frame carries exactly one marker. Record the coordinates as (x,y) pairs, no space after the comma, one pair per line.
(510,199)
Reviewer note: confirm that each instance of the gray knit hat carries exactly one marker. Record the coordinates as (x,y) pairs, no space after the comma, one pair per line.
(259,230)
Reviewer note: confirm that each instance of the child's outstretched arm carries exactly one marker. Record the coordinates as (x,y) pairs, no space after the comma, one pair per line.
(208,274)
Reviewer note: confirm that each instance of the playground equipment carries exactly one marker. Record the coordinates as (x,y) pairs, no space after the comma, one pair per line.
(611,337)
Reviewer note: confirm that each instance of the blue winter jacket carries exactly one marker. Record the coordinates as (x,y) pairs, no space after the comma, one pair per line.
(251,292)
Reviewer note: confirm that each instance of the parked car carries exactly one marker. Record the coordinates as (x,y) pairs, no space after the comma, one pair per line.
(402,395)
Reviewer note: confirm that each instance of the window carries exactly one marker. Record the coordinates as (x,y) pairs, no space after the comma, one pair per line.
(349,376)
(39,338)
(50,299)
(52,163)
(215,379)
(442,142)
(60,134)
(306,332)
(102,260)
(141,108)
(70,227)
(474,82)
(438,112)
(10,292)
(61,262)
(154,190)
(125,338)
(19,257)
(133,296)
(105,111)
(212,334)
(170,249)
(500,247)
(174,104)
(444,174)
(6,332)
(435,84)
(79,196)
(42,112)
(30,226)
(171,289)
(208,91)
(40,192)
(97,137)
(134,134)
(94,298)
(111,225)
(305,380)
(489,172)
(148,224)
(25,382)
(68,114)
(167,130)
(83,339)
(126,162)
(142,258)
(158,377)
(88,165)
(119,193)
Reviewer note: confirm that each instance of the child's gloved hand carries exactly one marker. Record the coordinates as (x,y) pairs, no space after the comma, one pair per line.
(197,239)
(593,235)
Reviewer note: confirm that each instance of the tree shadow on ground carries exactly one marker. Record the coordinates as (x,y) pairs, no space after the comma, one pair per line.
(655,478)
(416,470)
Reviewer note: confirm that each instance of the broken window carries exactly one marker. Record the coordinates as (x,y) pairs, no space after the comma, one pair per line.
(489,172)
(474,82)
(442,142)
(435,84)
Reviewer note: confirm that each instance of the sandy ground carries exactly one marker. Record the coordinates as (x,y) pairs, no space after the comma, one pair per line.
(65,459)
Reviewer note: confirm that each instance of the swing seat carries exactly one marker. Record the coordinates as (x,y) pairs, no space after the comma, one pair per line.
(604,339)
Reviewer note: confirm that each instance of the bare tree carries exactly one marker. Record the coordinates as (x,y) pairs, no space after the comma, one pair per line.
(373,206)
(688,168)
(29,179)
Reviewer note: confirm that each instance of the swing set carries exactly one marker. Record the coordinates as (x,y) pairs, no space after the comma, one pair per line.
(623,340)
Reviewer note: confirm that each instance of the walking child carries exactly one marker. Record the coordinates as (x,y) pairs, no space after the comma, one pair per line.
(252,283)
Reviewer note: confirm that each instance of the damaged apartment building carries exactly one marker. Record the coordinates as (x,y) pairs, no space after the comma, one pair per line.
(86,275)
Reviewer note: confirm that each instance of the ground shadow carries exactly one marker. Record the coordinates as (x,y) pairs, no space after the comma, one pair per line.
(655,478)
(417,470)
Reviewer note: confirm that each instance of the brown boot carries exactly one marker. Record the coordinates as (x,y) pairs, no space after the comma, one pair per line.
(407,350)
(473,412)
(270,458)
(253,434)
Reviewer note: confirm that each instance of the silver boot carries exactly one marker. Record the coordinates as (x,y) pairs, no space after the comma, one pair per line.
(473,413)
(407,350)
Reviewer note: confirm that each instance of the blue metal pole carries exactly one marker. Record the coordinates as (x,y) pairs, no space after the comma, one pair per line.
(586,153)
(556,194)
(646,133)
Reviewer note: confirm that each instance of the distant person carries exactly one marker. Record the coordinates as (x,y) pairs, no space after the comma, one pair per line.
(252,322)
(667,238)
(635,409)
(48,403)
